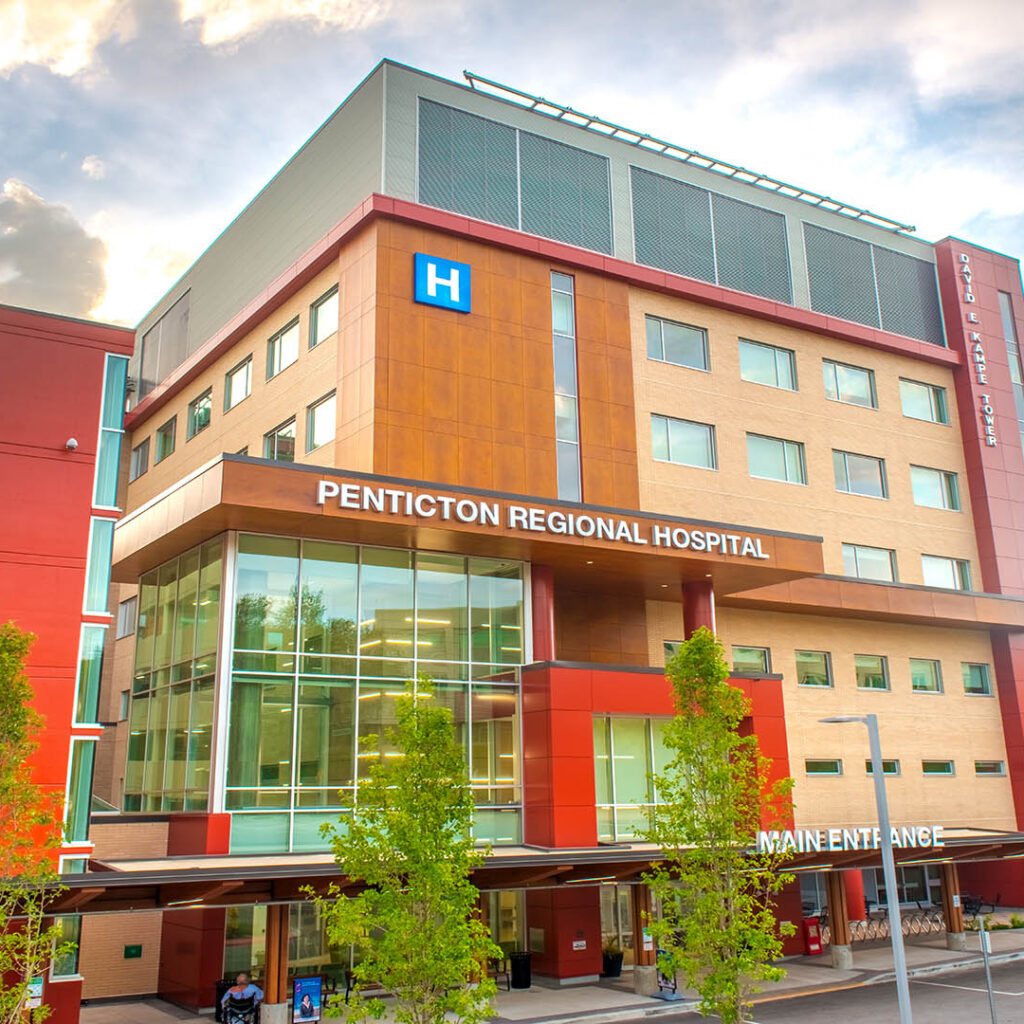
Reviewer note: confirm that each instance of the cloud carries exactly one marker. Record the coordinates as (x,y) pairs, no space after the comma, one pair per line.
(94,167)
(59,34)
(47,259)
(226,20)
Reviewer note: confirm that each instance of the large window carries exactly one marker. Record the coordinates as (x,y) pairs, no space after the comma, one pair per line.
(683,442)
(567,415)
(934,488)
(767,364)
(813,668)
(850,384)
(283,349)
(325,636)
(859,474)
(279,443)
(681,344)
(868,563)
(238,383)
(1015,360)
(872,671)
(323,317)
(772,458)
(924,401)
(76,820)
(949,573)
(111,429)
(976,680)
(90,667)
(320,420)
(925,675)
(199,412)
(165,439)
(171,710)
(97,566)
(627,752)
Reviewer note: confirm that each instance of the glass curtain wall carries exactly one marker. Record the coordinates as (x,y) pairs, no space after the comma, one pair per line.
(325,637)
(172,701)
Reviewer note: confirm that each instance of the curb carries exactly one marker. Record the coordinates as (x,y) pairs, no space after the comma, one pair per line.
(952,965)
(663,1009)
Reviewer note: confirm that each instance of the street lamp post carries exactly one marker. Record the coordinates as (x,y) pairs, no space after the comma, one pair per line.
(888,863)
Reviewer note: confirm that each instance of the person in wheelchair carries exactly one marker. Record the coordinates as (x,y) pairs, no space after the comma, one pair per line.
(241,1001)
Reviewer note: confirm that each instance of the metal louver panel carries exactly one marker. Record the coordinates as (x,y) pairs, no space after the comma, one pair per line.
(564,193)
(467,164)
(750,249)
(840,275)
(908,296)
(672,225)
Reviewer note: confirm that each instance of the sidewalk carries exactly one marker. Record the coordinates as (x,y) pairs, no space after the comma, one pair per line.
(613,1000)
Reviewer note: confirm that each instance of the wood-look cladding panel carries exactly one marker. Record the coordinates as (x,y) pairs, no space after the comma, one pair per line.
(468,399)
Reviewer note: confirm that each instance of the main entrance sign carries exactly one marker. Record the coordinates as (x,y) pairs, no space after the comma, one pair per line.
(840,840)
(395,501)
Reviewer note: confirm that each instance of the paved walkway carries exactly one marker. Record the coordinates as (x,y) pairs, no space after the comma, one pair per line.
(614,1000)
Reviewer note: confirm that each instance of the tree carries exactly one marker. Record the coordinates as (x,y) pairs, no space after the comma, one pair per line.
(717,893)
(409,843)
(30,823)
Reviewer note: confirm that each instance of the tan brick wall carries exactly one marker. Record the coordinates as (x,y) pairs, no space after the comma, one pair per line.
(125,839)
(736,406)
(102,961)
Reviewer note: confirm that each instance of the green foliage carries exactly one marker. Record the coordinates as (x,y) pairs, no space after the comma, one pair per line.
(717,925)
(1016,921)
(30,822)
(409,845)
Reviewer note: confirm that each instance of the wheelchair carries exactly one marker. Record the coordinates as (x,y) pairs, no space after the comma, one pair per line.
(241,1011)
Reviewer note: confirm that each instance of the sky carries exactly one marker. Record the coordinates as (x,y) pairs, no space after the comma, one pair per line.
(133,131)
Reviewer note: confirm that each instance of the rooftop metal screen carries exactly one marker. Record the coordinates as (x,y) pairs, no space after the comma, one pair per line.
(751,253)
(908,296)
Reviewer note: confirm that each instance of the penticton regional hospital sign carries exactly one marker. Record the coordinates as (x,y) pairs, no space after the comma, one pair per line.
(399,502)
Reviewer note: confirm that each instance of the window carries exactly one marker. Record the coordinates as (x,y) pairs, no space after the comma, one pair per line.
(320,422)
(683,442)
(923,401)
(850,384)
(949,573)
(925,675)
(752,659)
(567,417)
(138,463)
(69,929)
(859,474)
(280,442)
(97,566)
(989,768)
(1013,355)
(976,679)
(934,488)
(90,668)
(122,707)
(76,822)
(766,364)
(867,563)
(936,767)
(771,458)
(681,344)
(108,453)
(238,384)
(126,612)
(323,317)
(283,349)
(165,440)
(671,648)
(872,671)
(889,766)
(823,766)
(813,668)
(199,410)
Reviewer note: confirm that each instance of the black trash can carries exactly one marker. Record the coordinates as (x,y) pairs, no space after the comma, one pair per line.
(221,986)
(520,969)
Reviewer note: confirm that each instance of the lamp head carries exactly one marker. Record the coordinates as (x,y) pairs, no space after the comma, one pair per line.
(843,718)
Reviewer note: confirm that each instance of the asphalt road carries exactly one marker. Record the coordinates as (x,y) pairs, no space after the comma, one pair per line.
(956,997)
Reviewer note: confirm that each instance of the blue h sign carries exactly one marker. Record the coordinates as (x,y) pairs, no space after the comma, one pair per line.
(441,282)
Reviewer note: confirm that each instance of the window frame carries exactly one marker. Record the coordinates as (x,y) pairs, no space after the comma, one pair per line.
(766,651)
(775,349)
(933,389)
(825,361)
(885,673)
(314,314)
(948,477)
(939,760)
(713,446)
(987,691)
(310,410)
(837,761)
(158,433)
(798,445)
(939,684)
(999,773)
(272,434)
(191,430)
(274,366)
(829,676)
(882,475)
(893,566)
(133,470)
(661,321)
(246,363)
(961,571)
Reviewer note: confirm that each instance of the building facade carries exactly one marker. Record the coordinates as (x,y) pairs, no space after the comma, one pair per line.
(486,390)
(60,441)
